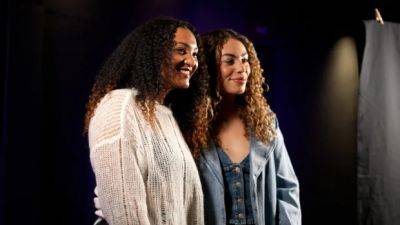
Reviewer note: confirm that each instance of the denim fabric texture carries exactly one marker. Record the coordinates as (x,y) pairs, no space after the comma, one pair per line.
(237,199)
(273,185)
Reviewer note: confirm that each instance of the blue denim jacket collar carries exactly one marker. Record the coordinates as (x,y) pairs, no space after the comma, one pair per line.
(259,155)
(211,158)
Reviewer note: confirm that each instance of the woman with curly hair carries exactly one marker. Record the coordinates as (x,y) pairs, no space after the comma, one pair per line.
(145,173)
(246,172)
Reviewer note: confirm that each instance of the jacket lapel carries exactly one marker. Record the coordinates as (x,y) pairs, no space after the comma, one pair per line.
(259,155)
(211,159)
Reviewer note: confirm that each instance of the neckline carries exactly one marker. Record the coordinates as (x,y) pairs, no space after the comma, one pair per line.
(226,156)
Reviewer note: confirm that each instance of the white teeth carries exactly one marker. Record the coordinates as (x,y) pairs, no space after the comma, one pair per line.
(185,71)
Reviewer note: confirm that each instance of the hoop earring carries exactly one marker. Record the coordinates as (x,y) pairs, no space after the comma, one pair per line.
(266,87)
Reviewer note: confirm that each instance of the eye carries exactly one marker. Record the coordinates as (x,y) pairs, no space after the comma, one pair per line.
(245,60)
(180,51)
(229,61)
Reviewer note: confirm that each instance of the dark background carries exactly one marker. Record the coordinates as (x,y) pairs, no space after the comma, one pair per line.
(51,51)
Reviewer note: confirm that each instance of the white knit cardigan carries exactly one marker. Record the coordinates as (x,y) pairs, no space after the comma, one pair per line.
(144,175)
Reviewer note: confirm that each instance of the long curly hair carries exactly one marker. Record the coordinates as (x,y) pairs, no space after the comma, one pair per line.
(137,62)
(253,107)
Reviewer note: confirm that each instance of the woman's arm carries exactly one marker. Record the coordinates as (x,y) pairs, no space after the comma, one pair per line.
(287,185)
(116,161)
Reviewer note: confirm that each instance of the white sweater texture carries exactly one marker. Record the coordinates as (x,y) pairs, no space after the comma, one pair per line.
(145,175)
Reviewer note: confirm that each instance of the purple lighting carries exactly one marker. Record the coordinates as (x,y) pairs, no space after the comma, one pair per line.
(261,30)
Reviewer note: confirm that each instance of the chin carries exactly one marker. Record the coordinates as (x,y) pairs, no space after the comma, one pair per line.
(182,85)
(237,91)
(242,90)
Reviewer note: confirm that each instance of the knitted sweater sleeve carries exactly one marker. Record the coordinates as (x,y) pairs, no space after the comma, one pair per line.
(118,162)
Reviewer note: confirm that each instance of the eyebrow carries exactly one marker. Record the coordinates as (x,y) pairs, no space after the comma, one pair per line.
(186,45)
(234,56)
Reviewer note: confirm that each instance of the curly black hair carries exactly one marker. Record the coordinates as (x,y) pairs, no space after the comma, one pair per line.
(137,62)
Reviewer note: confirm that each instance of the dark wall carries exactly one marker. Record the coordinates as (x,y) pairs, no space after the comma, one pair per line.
(296,67)
(52,50)
(21,111)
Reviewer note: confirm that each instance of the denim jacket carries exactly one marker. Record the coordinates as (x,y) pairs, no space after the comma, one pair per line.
(273,184)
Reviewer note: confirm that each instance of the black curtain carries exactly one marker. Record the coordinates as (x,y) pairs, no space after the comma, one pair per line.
(22,125)
(45,168)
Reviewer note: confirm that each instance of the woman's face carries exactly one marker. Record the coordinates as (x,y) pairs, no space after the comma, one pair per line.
(184,59)
(235,67)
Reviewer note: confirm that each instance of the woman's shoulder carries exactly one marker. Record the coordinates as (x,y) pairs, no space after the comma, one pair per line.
(116,97)
(109,116)
(273,132)
(116,101)
(277,133)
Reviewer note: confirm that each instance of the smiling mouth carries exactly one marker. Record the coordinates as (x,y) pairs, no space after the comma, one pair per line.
(240,80)
(184,70)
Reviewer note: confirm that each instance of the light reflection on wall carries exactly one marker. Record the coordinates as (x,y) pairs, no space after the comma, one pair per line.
(337,123)
(339,92)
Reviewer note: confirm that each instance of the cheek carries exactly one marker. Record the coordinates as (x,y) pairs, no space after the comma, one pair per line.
(225,72)
(248,68)
(175,59)
(196,66)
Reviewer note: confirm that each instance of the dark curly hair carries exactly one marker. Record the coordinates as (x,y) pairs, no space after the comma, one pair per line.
(253,107)
(137,62)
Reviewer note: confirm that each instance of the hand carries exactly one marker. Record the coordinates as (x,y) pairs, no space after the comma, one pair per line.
(97,205)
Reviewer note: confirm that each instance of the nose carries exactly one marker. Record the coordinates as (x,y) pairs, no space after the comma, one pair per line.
(241,68)
(190,60)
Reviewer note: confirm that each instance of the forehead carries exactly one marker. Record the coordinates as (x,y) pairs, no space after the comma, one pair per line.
(185,36)
(233,46)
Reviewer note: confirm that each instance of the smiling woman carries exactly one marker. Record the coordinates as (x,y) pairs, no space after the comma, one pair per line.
(246,172)
(184,60)
(235,67)
(145,173)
